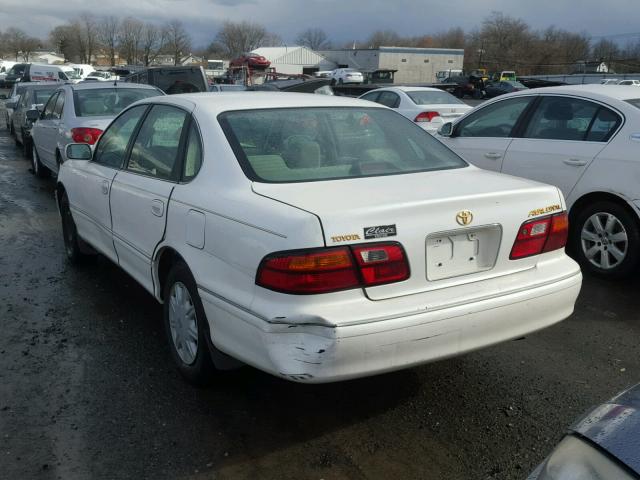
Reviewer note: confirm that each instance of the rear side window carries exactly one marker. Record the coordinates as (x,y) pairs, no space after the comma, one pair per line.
(495,120)
(155,151)
(565,118)
(193,154)
(100,102)
(309,144)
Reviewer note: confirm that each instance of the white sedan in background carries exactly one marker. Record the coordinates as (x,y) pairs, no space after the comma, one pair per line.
(78,114)
(346,75)
(585,140)
(316,238)
(428,107)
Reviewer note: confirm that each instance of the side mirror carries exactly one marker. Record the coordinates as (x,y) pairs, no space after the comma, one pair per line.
(79,151)
(32,115)
(3,96)
(446,130)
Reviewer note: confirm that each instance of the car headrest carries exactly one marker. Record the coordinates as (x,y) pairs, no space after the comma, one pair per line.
(559,110)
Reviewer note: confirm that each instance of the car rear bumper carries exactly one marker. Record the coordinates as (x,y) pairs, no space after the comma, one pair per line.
(316,353)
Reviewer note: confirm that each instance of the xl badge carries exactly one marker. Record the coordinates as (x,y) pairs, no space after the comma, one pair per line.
(465,217)
(380,231)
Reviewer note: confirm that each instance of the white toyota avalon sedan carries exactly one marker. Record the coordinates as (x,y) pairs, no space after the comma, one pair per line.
(316,238)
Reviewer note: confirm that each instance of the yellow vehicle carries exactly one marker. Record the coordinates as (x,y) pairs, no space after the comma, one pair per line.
(507,75)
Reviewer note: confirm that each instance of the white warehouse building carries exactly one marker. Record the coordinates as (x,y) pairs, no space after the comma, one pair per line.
(413,65)
(295,60)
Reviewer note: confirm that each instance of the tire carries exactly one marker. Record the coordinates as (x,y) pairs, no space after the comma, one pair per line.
(72,243)
(37,168)
(605,239)
(184,319)
(26,147)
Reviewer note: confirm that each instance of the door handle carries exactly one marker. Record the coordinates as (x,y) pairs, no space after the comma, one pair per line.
(493,155)
(575,162)
(105,187)
(157,207)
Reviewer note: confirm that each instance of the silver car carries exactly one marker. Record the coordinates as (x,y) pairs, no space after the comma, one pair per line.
(79,114)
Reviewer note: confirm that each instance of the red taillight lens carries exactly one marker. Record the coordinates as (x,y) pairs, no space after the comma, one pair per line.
(85,135)
(541,235)
(332,269)
(426,116)
(381,263)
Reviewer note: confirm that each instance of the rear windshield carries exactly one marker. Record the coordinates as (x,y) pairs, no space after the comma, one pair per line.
(308,144)
(433,98)
(99,102)
(172,81)
(634,101)
(41,95)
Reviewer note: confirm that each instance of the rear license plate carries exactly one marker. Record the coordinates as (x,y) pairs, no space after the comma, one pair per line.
(462,252)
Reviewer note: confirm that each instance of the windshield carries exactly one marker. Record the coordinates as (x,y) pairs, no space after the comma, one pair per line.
(433,98)
(72,74)
(41,95)
(309,144)
(99,102)
(17,69)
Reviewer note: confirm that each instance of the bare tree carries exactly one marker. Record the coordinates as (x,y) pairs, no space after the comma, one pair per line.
(62,40)
(89,32)
(129,38)
(314,38)
(152,41)
(108,35)
(237,38)
(28,45)
(178,41)
(14,39)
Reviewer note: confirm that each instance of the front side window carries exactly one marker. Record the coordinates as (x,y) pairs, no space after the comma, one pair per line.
(113,143)
(309,144)
(41,95)
(495,120)
(100,102)
(57,110)
(565,118)
(372,97)
(389,99)
(155,151)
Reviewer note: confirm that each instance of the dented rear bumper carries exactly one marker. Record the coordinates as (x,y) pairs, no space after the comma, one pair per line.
(314,353)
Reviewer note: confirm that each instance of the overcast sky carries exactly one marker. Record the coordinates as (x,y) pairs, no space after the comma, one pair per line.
(343,20)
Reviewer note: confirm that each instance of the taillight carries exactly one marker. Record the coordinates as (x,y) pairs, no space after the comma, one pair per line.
(85,135)
(325,270)
(426,116)
(541,235)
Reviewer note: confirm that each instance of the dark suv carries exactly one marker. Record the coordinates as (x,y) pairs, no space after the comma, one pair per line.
(15,74)
(172,79)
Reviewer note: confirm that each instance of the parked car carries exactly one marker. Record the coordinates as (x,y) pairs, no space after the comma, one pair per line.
(100,76)
(82,70)
(251,217)
(172,80)
(430,108)
(11,102)
(5,66)
(609,81)
(33,97)
(252,60)
(583,139)
(78,113)
(346,75)
(493,89)
(635,83)
(601,445)
(14,75)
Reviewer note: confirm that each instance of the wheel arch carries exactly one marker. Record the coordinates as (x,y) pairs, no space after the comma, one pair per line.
(165,258)
(601,196)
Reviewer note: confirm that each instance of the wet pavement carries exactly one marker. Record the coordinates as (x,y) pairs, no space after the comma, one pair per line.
(88,389)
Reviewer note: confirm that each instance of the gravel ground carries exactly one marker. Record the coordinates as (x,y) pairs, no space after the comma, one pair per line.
(88,390)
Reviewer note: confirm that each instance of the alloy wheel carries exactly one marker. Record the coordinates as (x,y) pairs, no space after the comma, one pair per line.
(183,323)
(604,240)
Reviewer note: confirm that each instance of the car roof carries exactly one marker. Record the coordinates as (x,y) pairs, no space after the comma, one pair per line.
(595,91)
(218,102)
(114,84)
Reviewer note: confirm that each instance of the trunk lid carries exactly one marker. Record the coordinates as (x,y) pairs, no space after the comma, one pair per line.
(420,212)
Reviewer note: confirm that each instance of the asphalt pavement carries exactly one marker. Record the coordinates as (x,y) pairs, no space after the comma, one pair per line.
(88,389)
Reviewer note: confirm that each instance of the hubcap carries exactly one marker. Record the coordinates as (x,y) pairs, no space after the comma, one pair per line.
(183,323)
(604,240)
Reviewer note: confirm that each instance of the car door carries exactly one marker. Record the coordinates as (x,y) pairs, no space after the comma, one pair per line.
(91,182)
(483,136)
(140,192)
(44,133)
(562,137)
(60,140)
